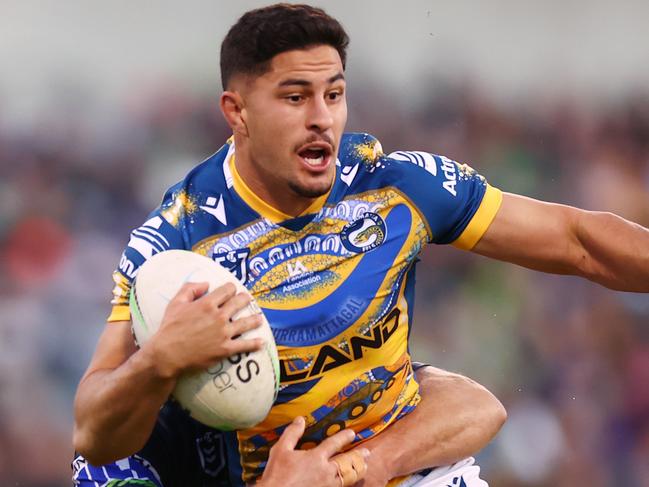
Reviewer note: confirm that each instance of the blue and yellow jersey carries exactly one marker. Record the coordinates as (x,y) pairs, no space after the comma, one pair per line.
(336,283)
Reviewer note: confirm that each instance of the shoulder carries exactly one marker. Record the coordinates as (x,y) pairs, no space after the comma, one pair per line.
(211,174)
(366,148)
(359,147)
(200,188)
(363,153)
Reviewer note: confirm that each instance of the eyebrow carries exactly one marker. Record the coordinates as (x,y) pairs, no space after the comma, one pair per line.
(303,82)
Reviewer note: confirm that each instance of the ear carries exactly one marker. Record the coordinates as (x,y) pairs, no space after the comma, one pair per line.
(234,111)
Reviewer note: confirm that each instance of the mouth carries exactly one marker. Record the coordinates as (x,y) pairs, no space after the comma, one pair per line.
(316,155)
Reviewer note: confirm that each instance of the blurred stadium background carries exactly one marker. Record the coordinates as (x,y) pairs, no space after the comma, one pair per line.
(105,104)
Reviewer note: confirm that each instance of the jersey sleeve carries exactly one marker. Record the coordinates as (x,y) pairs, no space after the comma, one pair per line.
(163,230)
(456,203)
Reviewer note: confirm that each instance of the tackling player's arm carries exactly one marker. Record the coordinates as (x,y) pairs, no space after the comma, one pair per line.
(456,418)
(119,396)
(599,246)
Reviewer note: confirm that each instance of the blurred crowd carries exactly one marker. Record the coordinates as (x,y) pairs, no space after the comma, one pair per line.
(569,360)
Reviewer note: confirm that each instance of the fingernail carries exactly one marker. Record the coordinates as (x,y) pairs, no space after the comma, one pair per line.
(365,452)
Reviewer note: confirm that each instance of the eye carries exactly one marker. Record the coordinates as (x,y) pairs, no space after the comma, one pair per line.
(295,98)
(334,95)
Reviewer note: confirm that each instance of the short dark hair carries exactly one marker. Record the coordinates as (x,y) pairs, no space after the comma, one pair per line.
(261,34)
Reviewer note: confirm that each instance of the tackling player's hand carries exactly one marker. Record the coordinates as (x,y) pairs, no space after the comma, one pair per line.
(195,333)
(376,476)
(318,467)
(379,468)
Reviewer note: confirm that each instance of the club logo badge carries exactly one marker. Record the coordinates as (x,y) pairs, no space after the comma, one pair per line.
(364,234)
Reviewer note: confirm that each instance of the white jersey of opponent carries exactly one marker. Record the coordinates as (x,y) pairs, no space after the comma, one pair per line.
(461,474)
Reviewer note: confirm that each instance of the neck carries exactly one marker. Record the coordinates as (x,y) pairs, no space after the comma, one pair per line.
(281,199)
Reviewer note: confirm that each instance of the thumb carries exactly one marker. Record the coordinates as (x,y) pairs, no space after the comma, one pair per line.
(292,434)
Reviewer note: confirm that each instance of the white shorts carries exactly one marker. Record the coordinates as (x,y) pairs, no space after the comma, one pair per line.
(461,474)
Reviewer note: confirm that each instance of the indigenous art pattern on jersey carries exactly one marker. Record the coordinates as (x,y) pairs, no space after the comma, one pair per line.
(336,283)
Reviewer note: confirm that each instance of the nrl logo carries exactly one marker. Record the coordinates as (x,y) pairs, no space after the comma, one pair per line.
(364,234)
(236,261)
(211,452)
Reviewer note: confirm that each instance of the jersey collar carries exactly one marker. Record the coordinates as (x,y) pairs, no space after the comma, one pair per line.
(260,206)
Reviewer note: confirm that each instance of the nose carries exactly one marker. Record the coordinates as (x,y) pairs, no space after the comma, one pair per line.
(319,117)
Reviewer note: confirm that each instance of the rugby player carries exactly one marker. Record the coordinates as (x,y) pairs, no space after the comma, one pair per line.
(324,229)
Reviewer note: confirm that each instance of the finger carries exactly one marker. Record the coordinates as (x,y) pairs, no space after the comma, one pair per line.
(243,325)
(190,291)
(333,444)
(242,345)
(351,467)
(345,474)
(220,295)
(359,462)
(292,434)
(236,303)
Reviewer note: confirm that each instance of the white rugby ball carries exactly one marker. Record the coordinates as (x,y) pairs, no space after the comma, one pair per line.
(234,393)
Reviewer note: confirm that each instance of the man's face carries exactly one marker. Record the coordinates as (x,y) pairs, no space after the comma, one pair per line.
(295,115)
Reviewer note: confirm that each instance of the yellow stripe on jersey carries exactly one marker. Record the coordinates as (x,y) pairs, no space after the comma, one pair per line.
(120,310)
(263,208)
(396,481)
(481,220)
(119,313)
(337,263)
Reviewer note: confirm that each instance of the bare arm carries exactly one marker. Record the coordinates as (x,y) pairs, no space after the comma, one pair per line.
(118,398)
(455,419)
(602,247)
(120,394)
